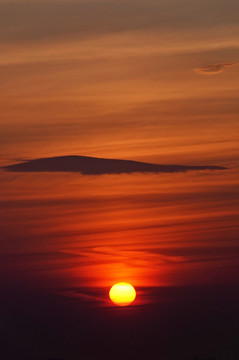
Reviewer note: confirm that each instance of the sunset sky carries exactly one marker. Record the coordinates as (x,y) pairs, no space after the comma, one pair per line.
(150,81)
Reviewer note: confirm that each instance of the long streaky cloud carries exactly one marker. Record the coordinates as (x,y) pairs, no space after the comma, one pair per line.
(98,166)
(215,68)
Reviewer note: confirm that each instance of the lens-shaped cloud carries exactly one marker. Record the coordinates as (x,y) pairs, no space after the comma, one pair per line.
(96,166)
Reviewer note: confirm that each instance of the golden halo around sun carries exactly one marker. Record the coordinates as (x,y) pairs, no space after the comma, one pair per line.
(122,294)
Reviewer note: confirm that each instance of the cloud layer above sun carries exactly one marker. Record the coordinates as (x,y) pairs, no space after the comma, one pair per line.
(115,80)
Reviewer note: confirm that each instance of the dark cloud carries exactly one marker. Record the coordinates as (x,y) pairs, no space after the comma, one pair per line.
(97,166)
(215,68)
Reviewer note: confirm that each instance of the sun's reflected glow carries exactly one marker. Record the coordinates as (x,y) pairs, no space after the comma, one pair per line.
(122,294)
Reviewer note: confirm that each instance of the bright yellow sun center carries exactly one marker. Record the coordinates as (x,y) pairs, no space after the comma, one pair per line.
(122,294)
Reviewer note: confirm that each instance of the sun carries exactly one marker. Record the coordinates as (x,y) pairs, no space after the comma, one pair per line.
(122,294)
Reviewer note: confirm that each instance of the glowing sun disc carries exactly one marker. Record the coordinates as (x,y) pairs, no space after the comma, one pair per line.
(122,294)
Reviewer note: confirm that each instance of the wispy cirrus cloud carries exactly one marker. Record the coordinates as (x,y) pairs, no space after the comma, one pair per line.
(215,68)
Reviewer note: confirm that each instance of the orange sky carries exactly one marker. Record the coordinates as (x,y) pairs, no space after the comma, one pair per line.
(140,80)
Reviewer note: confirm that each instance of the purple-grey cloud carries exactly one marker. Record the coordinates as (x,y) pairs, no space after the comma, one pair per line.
(97,166)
